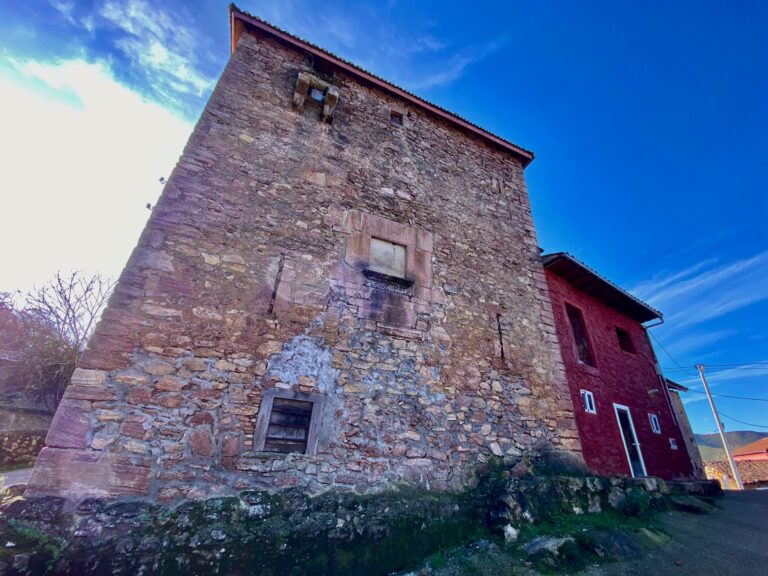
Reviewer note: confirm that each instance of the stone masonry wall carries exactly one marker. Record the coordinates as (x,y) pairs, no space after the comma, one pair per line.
(20,446)
(250,277)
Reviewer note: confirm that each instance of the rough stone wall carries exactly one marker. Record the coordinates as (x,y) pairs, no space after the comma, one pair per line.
(688,436)
(620,377)
(20,446)
(250,276)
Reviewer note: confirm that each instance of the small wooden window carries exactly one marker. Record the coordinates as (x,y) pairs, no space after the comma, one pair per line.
(625,340)
(579,331)
(655,426)
(395,117)
(387,258)
(288,422)
(588,400)
(673,443)
(288,429)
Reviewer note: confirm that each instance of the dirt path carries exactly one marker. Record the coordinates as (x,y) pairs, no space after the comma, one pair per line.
(733,541)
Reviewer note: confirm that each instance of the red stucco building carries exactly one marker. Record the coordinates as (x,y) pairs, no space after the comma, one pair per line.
(626,421)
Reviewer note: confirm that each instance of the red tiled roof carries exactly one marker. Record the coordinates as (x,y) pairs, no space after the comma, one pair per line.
(239,18)
(751,471)
(754,448)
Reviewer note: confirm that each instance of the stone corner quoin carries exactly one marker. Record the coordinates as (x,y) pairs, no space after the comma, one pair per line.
(253,316)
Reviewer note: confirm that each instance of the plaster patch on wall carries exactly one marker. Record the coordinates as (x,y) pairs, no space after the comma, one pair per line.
(304,356)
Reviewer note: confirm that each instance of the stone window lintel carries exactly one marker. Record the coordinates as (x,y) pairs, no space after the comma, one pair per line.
(304,82)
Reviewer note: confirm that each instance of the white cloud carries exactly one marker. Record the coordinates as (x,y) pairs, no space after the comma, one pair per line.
(716,377)
(158,42)
(82,157)
(649,289)
(160,46)
(414,58)
(703,292)
(693,342)
(64,8)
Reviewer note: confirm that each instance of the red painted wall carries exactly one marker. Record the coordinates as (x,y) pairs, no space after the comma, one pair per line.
(618,377)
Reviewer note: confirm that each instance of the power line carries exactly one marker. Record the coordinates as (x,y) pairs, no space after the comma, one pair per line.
(722,367)
(741,421)
(691,372)
(728,396)
(739,364)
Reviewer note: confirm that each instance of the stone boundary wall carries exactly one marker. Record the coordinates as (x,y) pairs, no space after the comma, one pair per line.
(20,446)
(290,533)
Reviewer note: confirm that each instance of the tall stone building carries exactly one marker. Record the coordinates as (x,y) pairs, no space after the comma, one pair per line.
(339,287)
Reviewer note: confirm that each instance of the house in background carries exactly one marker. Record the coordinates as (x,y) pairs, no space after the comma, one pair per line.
(754,473)
(755,451)
(626,419)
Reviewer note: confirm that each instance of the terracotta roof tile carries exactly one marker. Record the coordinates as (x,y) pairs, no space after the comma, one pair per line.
(751,471)
(756,447)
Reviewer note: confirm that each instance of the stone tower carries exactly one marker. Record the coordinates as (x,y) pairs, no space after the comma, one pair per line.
(339,287)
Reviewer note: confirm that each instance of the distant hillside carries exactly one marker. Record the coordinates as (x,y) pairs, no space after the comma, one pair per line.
(711,448)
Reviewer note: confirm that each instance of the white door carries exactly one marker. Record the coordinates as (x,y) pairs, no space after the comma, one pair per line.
(629,438)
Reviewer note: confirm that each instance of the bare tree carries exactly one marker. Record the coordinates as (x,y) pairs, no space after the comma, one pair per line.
(57,321)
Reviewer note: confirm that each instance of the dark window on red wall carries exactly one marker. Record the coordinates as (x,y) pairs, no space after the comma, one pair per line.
(580,335)
(625,340)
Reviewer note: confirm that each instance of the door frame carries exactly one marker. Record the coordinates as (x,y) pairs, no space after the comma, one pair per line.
(616,408)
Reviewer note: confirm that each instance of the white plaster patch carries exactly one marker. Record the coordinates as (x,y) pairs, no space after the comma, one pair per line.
(304,356)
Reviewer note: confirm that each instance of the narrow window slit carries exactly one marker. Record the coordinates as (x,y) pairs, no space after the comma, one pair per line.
(501,335)
(271,308)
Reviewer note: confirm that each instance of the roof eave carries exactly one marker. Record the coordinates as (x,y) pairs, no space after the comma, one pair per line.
(239,19)
(651,313)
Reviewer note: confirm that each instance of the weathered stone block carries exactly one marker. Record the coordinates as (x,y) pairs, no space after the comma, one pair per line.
(201,441)
(78,473)
(71,426)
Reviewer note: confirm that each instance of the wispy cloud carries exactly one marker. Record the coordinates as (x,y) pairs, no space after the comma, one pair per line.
(694,342)
(412,56)
(159,42)
(715,378)
(707,290)
(65,8)
(649,289)
(160,48)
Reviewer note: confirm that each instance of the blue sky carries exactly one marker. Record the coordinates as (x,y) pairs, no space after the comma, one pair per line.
(648,120)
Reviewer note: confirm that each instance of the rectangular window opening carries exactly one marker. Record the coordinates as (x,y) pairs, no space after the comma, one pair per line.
(288,429)
(316,94)
(588,400)
(625,340)
(580,335)
(387,258)
(673,443)
(655,426)
(395,117)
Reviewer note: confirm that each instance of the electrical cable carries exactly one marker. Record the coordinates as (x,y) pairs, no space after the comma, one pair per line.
(741,421)
(739,364)
(728,396)
(670,355)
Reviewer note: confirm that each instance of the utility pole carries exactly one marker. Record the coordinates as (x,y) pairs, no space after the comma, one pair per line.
(734,469)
